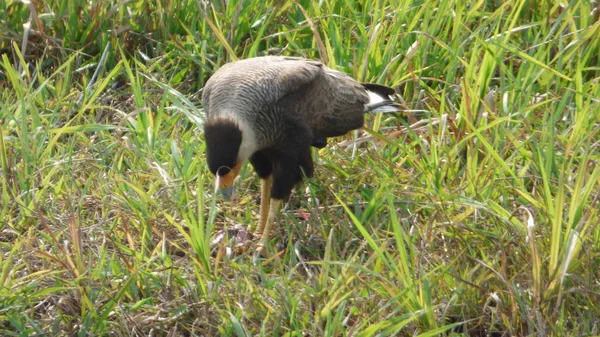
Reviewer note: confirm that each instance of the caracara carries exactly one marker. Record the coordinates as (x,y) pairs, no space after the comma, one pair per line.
(271,110)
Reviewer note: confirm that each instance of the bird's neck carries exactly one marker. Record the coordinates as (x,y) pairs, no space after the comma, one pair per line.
(249,143)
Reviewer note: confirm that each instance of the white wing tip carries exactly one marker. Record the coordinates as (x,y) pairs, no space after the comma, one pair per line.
(381,103)
(376,98)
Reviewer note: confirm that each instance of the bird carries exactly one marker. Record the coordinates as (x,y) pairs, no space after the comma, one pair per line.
(270,111)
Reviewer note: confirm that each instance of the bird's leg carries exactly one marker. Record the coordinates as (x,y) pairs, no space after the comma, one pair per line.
(265,200)
(273,210)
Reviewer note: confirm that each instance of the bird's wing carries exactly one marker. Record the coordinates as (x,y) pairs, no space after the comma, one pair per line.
(348,92)
(334,104)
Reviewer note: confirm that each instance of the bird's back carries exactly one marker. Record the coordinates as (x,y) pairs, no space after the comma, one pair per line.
(246,87)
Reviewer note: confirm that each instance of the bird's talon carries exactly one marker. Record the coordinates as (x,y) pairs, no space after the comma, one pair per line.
(260,250)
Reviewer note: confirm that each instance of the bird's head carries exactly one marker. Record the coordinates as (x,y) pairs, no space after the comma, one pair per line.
(223,139)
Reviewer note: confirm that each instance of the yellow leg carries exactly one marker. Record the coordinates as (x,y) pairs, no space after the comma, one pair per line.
(273,210)
(265,200)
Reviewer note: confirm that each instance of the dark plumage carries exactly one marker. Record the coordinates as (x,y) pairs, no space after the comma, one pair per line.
(271,110)
(229,138)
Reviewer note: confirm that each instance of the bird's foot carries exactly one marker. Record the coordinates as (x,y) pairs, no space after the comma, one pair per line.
(259,245)
(238,240)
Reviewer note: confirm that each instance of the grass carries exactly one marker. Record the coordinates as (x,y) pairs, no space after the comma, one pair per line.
(474,215)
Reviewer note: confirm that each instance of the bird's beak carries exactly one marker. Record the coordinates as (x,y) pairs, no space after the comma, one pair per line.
(226,182)
(227,192)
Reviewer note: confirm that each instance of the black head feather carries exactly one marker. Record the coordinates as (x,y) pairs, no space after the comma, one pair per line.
(223,139)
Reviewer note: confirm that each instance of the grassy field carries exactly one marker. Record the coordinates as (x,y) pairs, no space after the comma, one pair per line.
(474,214)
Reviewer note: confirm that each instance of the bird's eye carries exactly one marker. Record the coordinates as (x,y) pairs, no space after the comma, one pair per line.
(223,170)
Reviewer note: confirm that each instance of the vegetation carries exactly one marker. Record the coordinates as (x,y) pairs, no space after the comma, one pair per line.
(475,214)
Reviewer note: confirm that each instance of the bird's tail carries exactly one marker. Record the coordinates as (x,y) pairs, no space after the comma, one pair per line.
(380,99)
